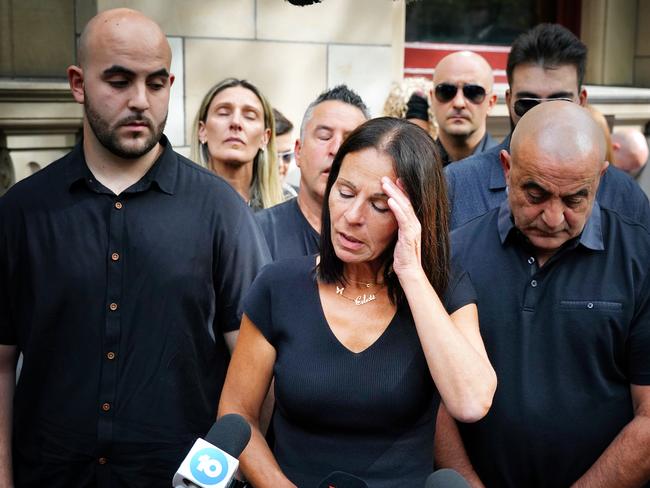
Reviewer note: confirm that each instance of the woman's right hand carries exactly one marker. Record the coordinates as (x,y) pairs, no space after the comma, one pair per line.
(407,257)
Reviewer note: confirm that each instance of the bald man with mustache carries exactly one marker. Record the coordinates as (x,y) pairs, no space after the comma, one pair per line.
(122,266)
(563,290)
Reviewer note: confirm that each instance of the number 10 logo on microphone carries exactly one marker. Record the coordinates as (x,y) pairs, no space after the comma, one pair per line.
(209,466)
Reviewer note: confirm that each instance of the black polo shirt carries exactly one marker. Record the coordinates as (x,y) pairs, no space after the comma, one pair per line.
(566,341)
(287,231)
(119,305)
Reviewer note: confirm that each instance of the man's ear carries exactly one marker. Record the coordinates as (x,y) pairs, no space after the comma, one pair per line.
(296,152)
(492,102)
(582,97)
(76,81)
(605,166)
(506,163)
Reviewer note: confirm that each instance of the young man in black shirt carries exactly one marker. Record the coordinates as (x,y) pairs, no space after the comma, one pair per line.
(122,266)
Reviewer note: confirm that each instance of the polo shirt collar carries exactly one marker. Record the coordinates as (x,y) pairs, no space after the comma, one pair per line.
(497,180)
(591,236)
(163,173)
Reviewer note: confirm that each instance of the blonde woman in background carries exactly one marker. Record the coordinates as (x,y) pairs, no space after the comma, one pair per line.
(234,136)
(397,102)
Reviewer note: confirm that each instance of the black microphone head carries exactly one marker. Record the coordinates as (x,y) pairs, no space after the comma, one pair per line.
(230,433)
(446,478)
(339,479)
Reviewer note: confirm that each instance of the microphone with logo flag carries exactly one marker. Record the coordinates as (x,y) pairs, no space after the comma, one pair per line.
(446,478)
(339,479)
(212,463)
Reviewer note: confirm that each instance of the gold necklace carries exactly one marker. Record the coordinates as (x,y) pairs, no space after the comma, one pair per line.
(359,300)
(367,284)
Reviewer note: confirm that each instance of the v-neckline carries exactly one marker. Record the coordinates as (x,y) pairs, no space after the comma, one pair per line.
(331,333)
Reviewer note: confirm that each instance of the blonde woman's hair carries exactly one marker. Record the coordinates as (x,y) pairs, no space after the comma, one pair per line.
(398,97)
(266,190)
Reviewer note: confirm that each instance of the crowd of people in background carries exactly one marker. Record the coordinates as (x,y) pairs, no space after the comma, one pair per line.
(426,296)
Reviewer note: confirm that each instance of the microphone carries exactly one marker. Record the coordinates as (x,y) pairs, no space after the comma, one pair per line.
(212,463)
(446,478)
(339,479)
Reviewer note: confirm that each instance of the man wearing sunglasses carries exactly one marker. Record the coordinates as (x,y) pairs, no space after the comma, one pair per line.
(546,63)
(462,99)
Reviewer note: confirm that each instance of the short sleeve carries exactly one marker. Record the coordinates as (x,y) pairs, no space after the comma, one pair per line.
(460,291)
(258,302)
(639,339)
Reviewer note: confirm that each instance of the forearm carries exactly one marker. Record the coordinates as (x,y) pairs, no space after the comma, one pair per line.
(463,375)
(247,384)
(7,386)
(449,451)
(626,461)
(258,463)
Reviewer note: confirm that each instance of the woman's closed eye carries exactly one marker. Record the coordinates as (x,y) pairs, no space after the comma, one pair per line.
(380,206)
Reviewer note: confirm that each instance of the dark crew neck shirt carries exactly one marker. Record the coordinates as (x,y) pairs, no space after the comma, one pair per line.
(287,231)
(566,341)
(486,142)
(119,305)
(371,414)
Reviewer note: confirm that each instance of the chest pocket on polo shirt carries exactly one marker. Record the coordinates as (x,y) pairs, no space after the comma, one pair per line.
(595,305)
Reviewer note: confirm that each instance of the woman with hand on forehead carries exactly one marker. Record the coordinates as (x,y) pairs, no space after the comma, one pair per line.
(365,340)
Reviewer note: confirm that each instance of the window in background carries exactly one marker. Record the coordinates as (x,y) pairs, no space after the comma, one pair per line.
(491,22)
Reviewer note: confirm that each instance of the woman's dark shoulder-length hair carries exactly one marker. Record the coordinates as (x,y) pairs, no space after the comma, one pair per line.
(417,164)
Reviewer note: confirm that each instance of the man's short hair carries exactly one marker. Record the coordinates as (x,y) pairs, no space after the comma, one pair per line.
(340,93)
(282,124)
(548,45)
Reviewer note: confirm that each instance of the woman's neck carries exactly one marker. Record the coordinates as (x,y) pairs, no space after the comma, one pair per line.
(239,176)
(363,273)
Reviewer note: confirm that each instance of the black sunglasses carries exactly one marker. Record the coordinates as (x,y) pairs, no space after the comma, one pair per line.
(445,92)
(523,105)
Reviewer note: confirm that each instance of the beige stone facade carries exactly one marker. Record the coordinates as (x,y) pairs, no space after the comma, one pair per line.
(291,53)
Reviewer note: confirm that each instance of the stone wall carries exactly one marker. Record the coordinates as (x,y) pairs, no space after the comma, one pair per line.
(291,53)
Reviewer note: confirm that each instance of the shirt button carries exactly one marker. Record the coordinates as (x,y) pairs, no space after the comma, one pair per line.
(110,355)
(106,407)
(118,205)
(533,283)
(113,306)
(590,305)
(531,260)
(115,256)
(102,460)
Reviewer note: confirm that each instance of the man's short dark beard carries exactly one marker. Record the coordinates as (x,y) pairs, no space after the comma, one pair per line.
(107,135)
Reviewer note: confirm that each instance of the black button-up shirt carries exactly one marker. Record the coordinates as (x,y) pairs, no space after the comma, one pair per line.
(566,341)
(119,305)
